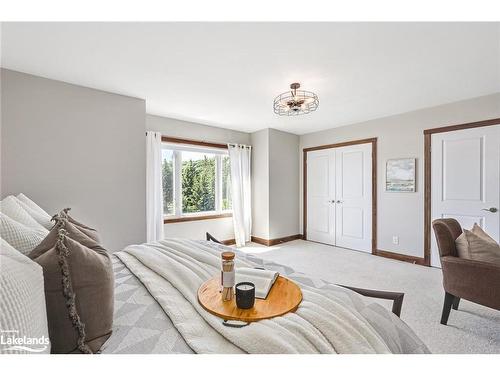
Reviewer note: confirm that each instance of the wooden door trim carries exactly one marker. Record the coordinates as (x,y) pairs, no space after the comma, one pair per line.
(427,175)
(373,142)
(469,125)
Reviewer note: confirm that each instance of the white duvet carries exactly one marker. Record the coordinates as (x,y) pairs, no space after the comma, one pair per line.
(172,271)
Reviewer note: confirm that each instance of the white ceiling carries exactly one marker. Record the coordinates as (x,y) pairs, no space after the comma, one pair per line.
(227,74)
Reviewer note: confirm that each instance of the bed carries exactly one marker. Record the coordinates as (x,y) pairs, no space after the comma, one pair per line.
(144,321)
(155,298)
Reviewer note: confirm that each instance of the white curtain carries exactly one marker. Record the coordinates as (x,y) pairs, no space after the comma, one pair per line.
(241,188)
(154,188)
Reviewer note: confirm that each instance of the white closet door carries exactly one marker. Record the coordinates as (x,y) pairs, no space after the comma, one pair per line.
(465,179)
(354,197)
(320,194)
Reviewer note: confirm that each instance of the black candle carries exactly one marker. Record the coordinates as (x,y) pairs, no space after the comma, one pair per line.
(245,295)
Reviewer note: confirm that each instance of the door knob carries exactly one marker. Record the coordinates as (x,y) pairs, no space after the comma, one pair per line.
(491,209)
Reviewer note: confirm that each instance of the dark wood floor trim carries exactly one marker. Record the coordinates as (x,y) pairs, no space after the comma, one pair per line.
(276,241)
(401,257)
(428,171)
(192,142)
(260,241)
(195,218)
(373,141)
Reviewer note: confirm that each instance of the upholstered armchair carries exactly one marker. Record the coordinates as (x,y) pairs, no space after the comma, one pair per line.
(472,280)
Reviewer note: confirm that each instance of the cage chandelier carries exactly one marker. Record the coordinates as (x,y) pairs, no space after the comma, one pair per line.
(295,102)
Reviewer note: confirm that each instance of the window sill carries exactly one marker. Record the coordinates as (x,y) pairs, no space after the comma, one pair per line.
(196,217)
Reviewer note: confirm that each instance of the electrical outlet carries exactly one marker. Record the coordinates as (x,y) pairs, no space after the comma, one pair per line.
(395,240)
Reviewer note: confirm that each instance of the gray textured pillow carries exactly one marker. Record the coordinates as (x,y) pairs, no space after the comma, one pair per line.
(19,236)
(12,207)
(79,289)
(36,212)
(475,244)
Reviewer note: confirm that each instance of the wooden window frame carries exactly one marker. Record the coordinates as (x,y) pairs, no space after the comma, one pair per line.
(218,214)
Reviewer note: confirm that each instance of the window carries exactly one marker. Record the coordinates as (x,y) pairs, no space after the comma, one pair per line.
(168,181)
(227,203)
(196,181)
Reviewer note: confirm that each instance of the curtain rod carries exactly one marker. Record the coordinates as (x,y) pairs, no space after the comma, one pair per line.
(239,145)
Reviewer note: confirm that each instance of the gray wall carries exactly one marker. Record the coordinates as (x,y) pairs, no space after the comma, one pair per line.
(260,183)
(191,130)
(283,184)
(275,184)
(70,146)
(222,228)
(400,136)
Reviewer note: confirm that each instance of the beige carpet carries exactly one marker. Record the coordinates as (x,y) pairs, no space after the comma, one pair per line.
(471,329)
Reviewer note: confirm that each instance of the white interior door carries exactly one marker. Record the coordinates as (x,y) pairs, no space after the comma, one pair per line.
(320,194)
(339,196)
(354,197)
(465,179)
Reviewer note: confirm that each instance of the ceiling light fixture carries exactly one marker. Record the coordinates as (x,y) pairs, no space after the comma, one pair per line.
(295,102)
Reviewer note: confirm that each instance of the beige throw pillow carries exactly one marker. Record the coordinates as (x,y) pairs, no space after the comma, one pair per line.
(475,244)
(91,232)
(79,288)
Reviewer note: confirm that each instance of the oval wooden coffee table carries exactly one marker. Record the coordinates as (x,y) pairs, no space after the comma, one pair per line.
(284,297)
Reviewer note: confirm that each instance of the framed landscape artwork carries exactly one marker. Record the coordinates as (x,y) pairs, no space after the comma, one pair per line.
(400,175)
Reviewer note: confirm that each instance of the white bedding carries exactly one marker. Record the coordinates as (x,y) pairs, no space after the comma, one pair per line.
(172,271)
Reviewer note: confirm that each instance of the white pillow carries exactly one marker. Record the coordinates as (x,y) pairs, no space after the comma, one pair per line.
(37,213)
(19,236)
(28,202)
(22,302)
(11,207)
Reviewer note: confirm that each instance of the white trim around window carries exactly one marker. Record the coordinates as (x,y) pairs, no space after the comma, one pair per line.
(178,215)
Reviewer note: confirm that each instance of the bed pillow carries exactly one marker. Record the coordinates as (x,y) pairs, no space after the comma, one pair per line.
(32,205)
(79,289)
(37,213)
(478,231)
(91,232)
(22,301)
(19,236)
(11,207)
(475,244)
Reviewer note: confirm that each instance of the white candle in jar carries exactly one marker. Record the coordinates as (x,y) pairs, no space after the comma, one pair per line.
(245,287)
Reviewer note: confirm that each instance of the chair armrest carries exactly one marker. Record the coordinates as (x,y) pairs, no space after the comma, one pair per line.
(473,280)
(396,297)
